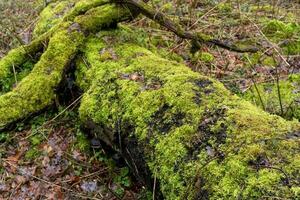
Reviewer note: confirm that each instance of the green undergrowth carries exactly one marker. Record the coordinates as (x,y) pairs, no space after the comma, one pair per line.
(198,139)
(281,99)
(286,35)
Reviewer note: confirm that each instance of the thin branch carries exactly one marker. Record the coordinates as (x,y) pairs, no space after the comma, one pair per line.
(165,21)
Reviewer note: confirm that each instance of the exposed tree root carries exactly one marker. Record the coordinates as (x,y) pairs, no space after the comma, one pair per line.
(37,90)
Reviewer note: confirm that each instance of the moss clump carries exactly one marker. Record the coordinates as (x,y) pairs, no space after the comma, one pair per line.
(204,57)
(8,83)
(278,27)
(15,57)
(197,138)
(20,59)
(37,90)
(269,61)
(204,37)
(32,154)
(224,7)
(82,143)
(270,98)
(82,6)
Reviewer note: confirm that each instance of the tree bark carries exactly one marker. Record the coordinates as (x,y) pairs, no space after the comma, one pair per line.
(182,129)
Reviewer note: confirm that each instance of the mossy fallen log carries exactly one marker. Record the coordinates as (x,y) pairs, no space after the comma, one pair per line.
(198,140)
(172,125)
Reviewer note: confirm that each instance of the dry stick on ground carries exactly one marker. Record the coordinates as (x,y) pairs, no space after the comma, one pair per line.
(197,38)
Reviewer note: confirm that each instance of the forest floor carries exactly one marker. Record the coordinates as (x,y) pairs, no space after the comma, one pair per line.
(49,157)
(53,160)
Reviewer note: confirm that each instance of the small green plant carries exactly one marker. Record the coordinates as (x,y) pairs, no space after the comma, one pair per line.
(204,57)
(119,191)
(32,153)
(82,142)
(78,170)
(145,195)
(36,139)
(123,177)
(4,137)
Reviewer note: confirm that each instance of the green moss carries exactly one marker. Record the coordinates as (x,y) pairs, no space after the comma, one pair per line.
(37,90)
(255,156)
(21,59)
(62,11)
(14,57)
(51,16)
(36,139)
(82,6)
(274,26)
(204,57)
(102,17)
(167,7)
(265,8)
(269,61)
(198,139)
(224,7)
(204,37)
(80,73)
(12,80)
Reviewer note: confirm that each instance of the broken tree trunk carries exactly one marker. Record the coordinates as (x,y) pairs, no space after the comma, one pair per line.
(182,130)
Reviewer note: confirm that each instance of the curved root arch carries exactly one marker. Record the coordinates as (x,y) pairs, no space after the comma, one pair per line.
(37,90)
